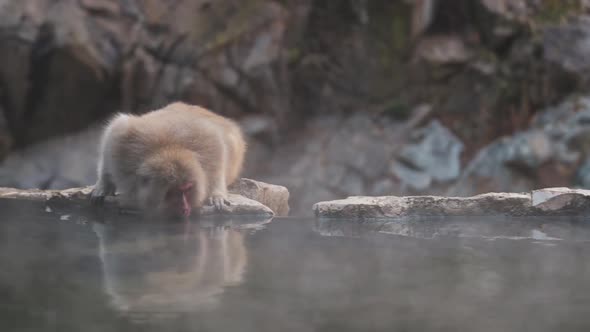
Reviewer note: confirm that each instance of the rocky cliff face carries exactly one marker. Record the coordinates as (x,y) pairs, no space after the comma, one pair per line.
(343,97)
(66,64)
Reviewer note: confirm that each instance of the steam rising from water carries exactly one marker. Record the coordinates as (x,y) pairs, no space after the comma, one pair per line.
(494,274)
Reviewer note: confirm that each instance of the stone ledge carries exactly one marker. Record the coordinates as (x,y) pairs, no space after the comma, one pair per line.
(247,198)
(543,202)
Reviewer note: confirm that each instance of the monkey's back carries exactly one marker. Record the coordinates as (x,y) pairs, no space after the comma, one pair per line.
(189,126)
(217,141)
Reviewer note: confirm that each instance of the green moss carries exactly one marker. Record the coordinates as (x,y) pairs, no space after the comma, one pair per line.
(389,30)
(554,11)
(222,34)
(293,54)
(399,32)
(397,109)
(507,90)
(486,55)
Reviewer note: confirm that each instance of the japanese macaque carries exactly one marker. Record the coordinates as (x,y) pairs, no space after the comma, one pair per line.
(169,161)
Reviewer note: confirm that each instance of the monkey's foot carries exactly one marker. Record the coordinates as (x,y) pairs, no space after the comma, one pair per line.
(218,201)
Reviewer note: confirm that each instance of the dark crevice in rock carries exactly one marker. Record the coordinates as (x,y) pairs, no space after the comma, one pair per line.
(40,65)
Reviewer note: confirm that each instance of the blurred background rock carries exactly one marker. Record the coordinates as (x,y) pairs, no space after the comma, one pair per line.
(338,98)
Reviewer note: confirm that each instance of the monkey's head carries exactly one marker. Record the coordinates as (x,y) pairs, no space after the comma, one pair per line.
(171,183)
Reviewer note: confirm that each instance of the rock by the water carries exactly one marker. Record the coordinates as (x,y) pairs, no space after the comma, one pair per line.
(274,197)
(396,207)
(247,198)
(556,201)
(242,206)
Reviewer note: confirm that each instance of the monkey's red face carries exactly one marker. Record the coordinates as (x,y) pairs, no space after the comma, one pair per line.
(179,199)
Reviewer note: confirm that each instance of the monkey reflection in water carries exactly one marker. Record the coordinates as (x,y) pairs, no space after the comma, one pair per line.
(166,270)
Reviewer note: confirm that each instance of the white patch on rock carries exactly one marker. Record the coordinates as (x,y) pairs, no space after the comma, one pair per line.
(551,199)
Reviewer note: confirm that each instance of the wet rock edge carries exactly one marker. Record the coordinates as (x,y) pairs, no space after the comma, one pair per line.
(542,202)
(248,198)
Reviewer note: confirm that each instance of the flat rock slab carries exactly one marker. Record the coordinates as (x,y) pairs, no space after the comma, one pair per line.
(543,202)
(77,200)
(240,205)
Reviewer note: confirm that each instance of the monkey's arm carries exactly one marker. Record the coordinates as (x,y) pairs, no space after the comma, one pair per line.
(218,173)
(104,185)
(218,198)
(232,157)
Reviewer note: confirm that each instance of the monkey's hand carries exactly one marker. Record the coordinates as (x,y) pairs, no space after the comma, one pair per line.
(219,201)
(97,197)
(99,193)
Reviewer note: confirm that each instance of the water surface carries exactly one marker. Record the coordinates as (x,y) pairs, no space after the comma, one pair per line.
(67,273)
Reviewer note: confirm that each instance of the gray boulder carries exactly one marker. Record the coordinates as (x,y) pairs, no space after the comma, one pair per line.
(548,153)
(568,45)
(433,155)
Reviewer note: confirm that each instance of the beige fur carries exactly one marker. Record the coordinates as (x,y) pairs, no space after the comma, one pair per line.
(143,156)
